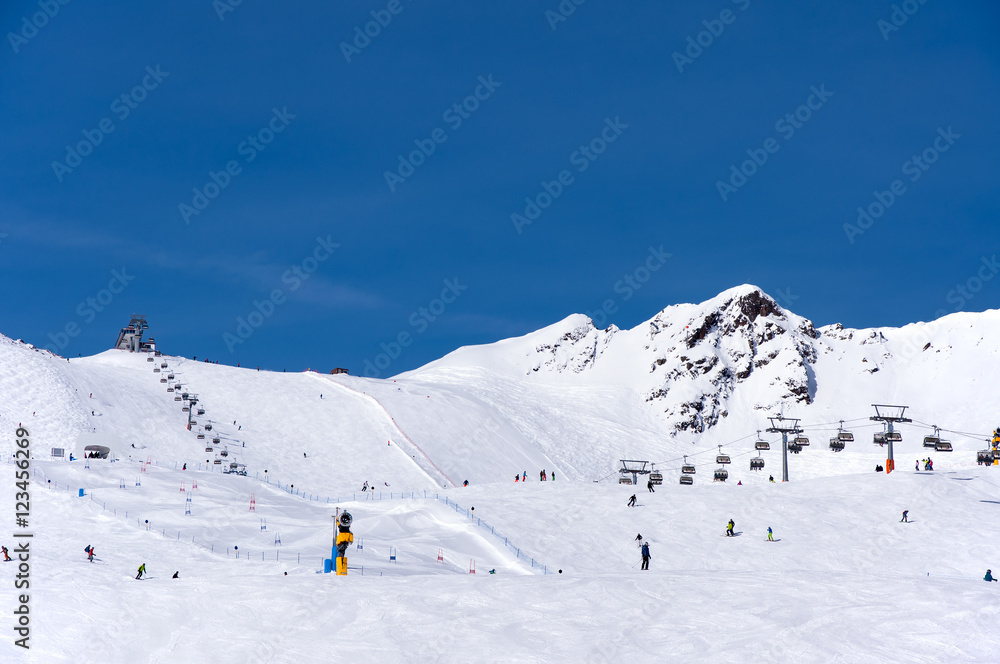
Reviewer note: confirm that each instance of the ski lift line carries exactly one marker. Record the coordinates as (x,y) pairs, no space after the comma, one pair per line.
(960,433)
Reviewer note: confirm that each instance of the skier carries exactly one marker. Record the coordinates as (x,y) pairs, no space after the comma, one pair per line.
(175,576)
(142,570)
(917,466)
(517,478)
(771,478)
(465,483)
(90,553)
(185,467)
(365,487)
(553,476)
(541,476)
(631,501)
(6,558)
(649,485)
(645,555)
(989,576)
(904,520)
(930,464)
(770,535)
(524,478)
(729,529)
(638,538)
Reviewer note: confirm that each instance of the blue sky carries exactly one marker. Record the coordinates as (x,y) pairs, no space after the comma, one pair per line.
(622,131)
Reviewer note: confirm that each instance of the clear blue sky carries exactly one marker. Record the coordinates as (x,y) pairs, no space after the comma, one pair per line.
(223,91)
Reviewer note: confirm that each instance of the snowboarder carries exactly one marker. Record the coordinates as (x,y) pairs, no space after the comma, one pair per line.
(6,558)
(649,485)
(729,529)
(989,576)
(645,555)
(631,501)
(770,535)
(903,520)
(142,570)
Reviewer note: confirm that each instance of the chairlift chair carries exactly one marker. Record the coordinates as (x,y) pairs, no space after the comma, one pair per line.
(836,444)
(656,478)
(185,409)
(722,459)
(757,464)
(208,449)
(802,441)
(170,376)
(845,437)
(984,456)
(762,446)
(687,479)
(216,441)
(224,453)
(932,441)
(794,447)
(893,437)
(163,365)
(625,480)
(218,462)
(169,388)
(687,469)
(201,411)
(156,369)
(201,436)
(721,475)
(943,446)
(879,438)
(177,398)
(149,359)
(208,427)
(163,380)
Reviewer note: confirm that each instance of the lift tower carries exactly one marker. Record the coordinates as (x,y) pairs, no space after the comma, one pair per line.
(784,426)
(890,415)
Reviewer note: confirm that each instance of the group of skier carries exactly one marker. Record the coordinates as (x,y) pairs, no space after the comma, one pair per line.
(542,476)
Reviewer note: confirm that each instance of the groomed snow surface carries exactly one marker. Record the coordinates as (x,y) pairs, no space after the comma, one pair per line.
(846,580)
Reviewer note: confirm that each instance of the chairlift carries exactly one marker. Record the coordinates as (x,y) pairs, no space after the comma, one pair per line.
(794,447)
(163,380)
(984,457)
(802,441)
(656,477)
(893,437)
(943,446)
(932,441)
(177,398)
(687,469)
(208,449)
(170,388)
(170,376)
(216,441)
(224,453)
(844,436)
(687,479)
(722,459)
(163,365)
(836,444)
(185,409)
(218,462)
(208,427)
(625,480)
(201,411)
(762,446)
(156,369)
(757,464)
(177,386)
(879,438)
(721,475)
(201,436)
(149,359)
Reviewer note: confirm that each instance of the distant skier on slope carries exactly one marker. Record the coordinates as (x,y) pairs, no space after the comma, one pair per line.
(989,576)
(90,552)
(645,555)
(904,519)
(517,478)
(649,485)
(631,501)
(917,467)
(770,534)
(142,570)
(6,558)
(729,529)
(771,478)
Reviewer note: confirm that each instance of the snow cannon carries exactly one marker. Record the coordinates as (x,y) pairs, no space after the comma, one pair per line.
(344,539)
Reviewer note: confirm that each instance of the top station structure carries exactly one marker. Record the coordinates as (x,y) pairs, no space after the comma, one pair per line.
(130,336)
